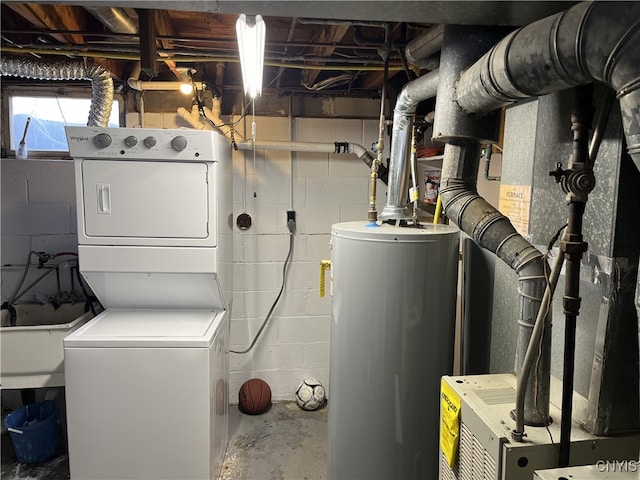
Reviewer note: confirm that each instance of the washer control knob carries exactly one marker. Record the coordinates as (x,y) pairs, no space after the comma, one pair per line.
(179,143)
(150,142)
(102,140)
(131,141)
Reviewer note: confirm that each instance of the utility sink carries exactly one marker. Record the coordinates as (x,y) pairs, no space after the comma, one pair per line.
(32,353)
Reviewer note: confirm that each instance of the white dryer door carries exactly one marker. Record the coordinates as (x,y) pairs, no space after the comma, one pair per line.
(138,199)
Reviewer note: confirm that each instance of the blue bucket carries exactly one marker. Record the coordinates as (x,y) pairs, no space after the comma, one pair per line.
(33,431)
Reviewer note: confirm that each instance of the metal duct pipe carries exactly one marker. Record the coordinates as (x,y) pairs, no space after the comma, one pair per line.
(412,94)
(462,46)
(114,18)
(494,232)
(419,50)
(597,41)
(101,82)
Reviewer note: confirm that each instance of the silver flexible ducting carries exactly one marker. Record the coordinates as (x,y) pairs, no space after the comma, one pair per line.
(413,93)
(101,82)
(114,18)
(593,41)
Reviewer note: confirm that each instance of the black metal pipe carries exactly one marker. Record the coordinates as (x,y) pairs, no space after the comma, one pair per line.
(577,184)
(571,309)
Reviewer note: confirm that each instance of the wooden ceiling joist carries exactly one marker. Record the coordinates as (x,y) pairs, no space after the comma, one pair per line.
(54,17)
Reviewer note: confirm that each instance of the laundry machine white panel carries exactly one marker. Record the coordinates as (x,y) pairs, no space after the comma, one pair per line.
(131,328)
(148,401)
(153,290)
(139,413)
(144,199)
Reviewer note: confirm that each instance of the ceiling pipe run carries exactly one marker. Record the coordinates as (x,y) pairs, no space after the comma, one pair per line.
(316,147)
(593,41)
(101,82)
(215,121)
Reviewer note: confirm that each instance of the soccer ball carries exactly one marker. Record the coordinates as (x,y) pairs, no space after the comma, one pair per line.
(310,394)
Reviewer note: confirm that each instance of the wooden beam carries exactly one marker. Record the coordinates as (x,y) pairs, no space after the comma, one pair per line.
(54,17)
(334,35)
(115,67)
(165,27)
(148,56)
(373,80)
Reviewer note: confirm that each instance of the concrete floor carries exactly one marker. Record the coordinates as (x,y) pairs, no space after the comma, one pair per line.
(285,443)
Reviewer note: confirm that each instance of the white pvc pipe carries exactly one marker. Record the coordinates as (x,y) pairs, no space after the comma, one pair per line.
(159,86)
(288,146)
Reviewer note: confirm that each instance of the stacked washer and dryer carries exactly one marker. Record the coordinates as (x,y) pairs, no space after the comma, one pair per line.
(147,379)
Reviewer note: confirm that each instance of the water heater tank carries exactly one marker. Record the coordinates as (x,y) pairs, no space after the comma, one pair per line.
(392,335)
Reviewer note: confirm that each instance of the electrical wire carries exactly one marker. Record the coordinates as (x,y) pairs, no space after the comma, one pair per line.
(538,359)
(87,297)
(546,308)
(291,226)
(253,142)
(15,293)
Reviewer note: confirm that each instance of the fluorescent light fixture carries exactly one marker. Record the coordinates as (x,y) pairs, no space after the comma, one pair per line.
(251,40)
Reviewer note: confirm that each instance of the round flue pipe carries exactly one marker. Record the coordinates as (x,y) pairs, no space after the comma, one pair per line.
(593,41)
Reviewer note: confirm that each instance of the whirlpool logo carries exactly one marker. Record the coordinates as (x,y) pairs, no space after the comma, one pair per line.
(79,138)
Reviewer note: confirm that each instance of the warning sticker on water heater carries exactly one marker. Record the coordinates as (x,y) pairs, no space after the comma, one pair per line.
(514,203)
(449,422)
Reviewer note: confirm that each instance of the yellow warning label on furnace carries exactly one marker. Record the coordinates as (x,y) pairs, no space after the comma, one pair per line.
(449,422)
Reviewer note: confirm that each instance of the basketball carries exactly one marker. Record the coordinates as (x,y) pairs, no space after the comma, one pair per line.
(254,396)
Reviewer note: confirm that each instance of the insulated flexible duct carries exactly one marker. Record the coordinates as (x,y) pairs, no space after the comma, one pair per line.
(101,82)
(593,41)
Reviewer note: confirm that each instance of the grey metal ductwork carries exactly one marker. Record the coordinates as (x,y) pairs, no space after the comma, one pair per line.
(597,41)
(114,18)
(421,50)
(462,46)
(101,82)
(413,93)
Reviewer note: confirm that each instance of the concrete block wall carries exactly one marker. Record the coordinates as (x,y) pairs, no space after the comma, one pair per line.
(38,213)
(324,189)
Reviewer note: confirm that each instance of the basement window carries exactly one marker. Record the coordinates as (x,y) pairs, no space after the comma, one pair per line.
(49,113)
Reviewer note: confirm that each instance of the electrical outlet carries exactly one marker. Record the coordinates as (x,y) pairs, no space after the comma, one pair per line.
(291,221)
